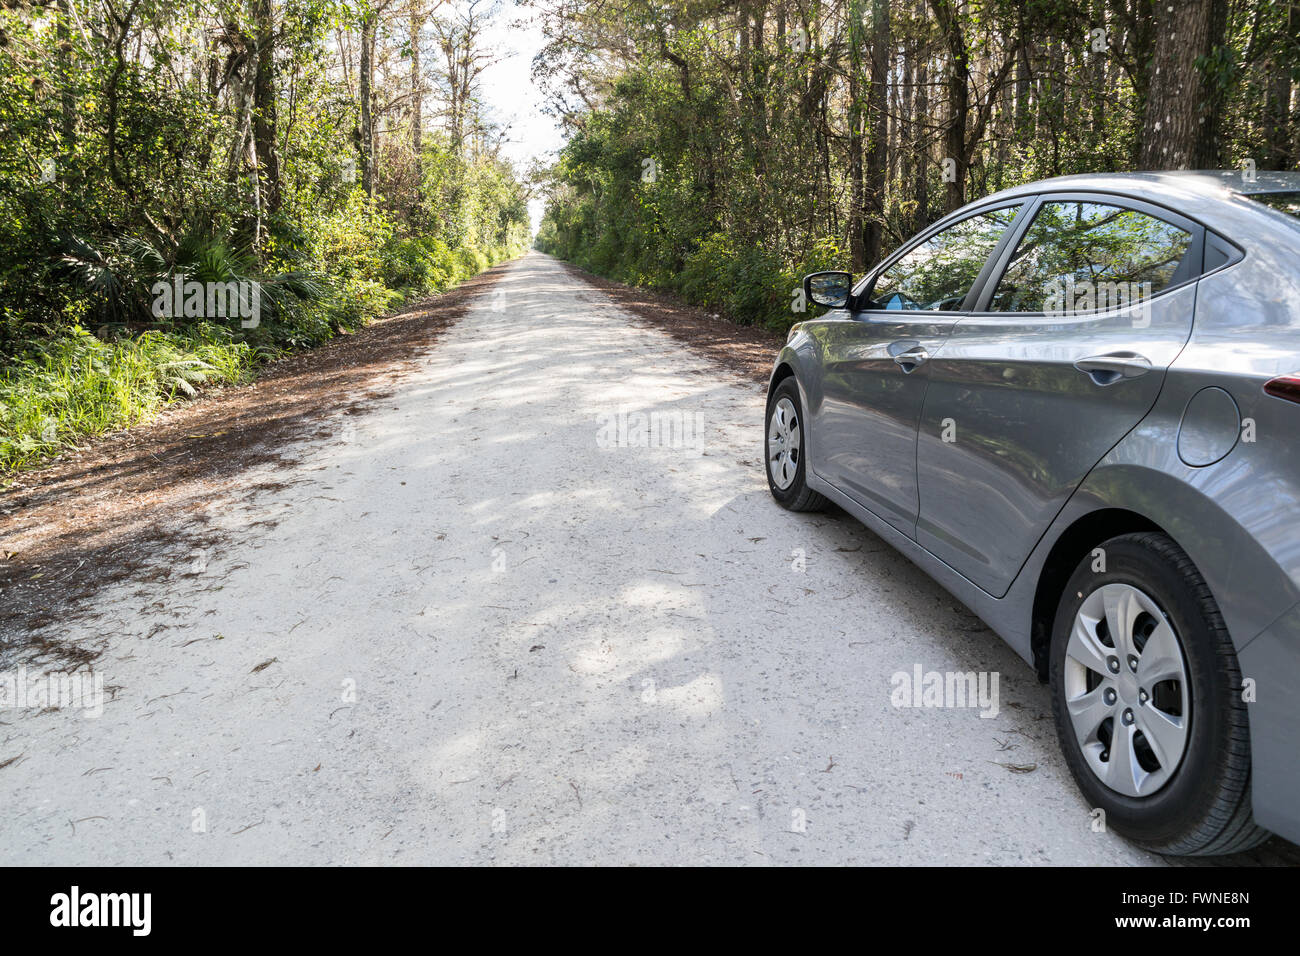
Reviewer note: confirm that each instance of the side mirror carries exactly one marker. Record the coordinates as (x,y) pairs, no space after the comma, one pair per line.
(829,289)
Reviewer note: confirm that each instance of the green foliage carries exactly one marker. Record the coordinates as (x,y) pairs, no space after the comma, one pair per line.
(721,151)
(75,384)
(128,158)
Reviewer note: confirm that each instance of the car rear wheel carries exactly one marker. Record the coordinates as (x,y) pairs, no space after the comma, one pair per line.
(1147,697)
(784,450)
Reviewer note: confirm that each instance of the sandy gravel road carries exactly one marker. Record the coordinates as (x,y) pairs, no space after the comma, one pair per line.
(481,625)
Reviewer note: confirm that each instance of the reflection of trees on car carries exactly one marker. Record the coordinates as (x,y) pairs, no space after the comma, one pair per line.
(941,270)
(898,301)
(946,305)
(1089,242)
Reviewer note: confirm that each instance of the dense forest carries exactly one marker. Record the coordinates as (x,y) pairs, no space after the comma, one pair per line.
(722,149)
(328,158)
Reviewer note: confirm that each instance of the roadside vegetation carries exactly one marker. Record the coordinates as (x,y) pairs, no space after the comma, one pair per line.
(721,151)
(327,160)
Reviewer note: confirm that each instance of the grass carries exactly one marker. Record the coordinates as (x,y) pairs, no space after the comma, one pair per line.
(75,385)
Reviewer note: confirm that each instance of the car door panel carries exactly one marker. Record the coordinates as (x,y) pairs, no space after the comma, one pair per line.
(870,408)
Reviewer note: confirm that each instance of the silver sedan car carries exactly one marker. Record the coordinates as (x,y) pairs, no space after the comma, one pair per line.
(1074,404)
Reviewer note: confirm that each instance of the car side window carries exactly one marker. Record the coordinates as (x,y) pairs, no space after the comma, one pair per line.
(1083,256)
(936,274)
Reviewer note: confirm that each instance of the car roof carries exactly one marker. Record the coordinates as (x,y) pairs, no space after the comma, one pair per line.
(1216,197)
(1203,184)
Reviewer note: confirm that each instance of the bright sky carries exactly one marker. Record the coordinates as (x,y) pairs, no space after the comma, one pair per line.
(510,93)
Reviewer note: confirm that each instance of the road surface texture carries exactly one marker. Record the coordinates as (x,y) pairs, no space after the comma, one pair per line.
(479,625)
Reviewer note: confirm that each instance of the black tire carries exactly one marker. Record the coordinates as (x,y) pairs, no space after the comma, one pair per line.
(1203,809)
(798,496)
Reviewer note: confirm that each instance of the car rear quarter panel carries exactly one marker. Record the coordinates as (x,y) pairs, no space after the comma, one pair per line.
(1247,331)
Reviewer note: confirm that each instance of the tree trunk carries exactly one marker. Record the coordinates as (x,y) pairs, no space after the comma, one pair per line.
(1141,38)
(67,100)
(1180,127)
(366,144)
(857,243)
(417,100)
(956,160)
(1277,104)
(264,115)
(1022,92)
(878,112)
(240,96)
(921,198)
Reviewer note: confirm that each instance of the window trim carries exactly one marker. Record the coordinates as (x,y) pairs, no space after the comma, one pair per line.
(1193,260)
(868,281)
(1230,249)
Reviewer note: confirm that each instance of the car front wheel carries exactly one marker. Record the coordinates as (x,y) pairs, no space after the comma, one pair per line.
(787,439)
(1147,698)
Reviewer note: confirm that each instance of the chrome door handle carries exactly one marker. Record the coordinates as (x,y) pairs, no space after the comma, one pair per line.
(910,360)
(1113,366)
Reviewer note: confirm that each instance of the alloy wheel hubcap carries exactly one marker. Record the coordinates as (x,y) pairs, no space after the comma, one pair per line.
(1126,690)
(783,444)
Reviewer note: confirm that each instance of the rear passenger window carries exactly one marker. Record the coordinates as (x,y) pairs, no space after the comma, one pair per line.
(1082,256)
